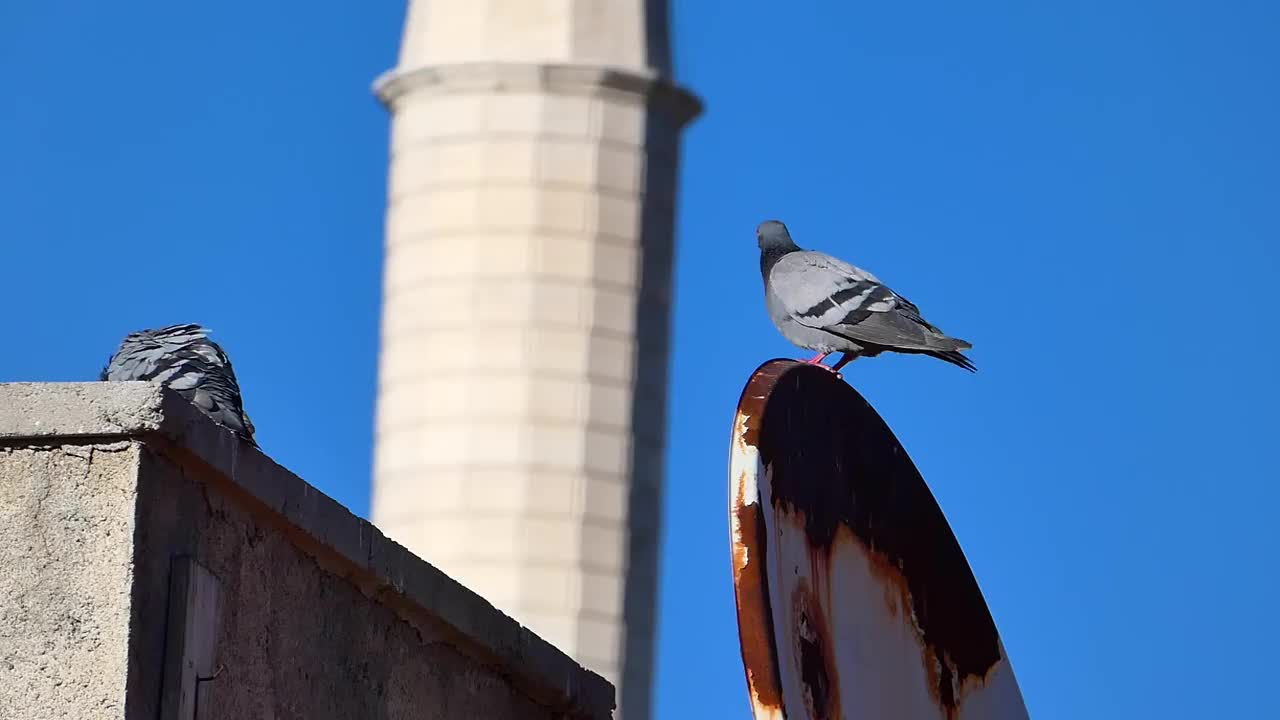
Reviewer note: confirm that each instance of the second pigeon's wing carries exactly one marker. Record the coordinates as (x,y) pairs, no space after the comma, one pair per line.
(183,358)
(212,389)
(152,354)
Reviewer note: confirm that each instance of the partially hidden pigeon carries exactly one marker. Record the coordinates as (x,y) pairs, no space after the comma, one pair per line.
(825,304)
(183,358)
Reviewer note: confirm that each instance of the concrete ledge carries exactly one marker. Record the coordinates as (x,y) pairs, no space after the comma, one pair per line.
(53,414)
(35,410)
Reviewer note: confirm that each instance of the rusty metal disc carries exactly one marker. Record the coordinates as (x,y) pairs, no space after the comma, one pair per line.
(854,598)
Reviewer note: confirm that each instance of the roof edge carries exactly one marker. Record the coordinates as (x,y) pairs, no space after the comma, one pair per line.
(54,413)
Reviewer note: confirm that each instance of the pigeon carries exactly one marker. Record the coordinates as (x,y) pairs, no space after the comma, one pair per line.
(821,303)
(183,358)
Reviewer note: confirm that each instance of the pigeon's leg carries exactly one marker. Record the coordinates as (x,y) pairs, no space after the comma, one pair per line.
(817,359)
(844,360)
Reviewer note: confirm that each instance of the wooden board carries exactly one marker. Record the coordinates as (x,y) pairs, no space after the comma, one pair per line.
(854,599)
(195,610)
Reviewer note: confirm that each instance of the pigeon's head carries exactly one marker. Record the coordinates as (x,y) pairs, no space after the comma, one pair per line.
(773,235)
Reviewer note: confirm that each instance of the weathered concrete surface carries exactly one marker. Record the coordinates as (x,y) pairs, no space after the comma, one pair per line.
(102,485)
(66,518)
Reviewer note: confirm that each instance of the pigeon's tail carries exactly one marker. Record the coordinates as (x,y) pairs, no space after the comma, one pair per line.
(954,357)
(948,349)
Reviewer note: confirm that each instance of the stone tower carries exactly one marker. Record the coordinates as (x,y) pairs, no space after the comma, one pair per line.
(526,312)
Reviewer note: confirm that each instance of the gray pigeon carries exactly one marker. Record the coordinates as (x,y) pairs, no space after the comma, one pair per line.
(821,303)
(182,357)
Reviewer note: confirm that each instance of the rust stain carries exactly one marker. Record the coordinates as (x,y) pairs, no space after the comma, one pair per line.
(836,465)
(814,656)
(755,619)
(755,396)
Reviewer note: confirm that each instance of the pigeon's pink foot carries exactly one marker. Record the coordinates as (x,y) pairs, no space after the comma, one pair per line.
(817,360)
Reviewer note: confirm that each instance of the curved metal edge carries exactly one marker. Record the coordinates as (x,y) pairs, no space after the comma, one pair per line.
(748,546)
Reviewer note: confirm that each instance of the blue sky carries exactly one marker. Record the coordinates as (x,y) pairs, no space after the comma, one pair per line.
(1086,190)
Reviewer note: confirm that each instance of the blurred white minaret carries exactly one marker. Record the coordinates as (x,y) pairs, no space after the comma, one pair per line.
(527,304)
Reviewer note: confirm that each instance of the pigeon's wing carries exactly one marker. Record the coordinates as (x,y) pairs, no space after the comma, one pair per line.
(819,290)
(897,330)
(215,392)
(828,294)
(183,358)
(153,354)
(208,380)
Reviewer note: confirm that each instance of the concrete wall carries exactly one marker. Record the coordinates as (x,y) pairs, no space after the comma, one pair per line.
(111,492)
